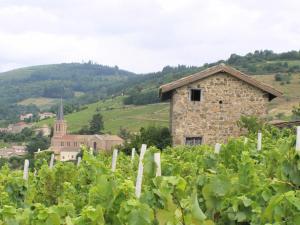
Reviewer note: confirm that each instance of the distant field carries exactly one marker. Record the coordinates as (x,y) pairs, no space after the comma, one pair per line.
(40,102)
(117,115)
(291,94)
(3,144)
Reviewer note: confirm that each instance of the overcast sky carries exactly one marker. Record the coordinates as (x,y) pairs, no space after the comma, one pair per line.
(143,35)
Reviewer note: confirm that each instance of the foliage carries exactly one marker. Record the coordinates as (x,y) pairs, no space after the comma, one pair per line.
(38,142)
(283,78)
(251,123)
(157,136)
(296,112)
(197,186)
(142,98)
(25,135)
(96,124)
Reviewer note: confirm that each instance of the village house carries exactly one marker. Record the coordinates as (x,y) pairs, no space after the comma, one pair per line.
(67,146)
(15,150)
(206,106)
(26,116)
(46,115)
(18,127)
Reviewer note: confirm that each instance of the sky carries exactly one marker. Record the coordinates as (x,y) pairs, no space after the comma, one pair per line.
(143,35)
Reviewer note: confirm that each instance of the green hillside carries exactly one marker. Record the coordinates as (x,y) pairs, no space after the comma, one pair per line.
(117,115)
(83,83)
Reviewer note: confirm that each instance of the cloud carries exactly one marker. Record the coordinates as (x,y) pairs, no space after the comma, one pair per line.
(142,35)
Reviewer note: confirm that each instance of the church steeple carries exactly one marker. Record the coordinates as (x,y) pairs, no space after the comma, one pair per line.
(60,126)
(60,111)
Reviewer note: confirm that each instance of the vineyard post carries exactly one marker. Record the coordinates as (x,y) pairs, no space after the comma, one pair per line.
(298,139)
(158,165)
(143,151)
(114,160)
(132,154)
(78,161)
(51,161)
(139,178)
(26,167)
(217,148)
(259,139)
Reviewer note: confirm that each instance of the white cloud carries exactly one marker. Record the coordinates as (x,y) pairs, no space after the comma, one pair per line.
(142,35)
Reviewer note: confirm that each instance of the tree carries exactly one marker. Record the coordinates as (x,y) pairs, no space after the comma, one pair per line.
(38,142)
(96,124)
(296,112)
(157,136)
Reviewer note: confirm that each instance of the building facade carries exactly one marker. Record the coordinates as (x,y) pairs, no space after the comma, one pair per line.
(206,106)
(67,146)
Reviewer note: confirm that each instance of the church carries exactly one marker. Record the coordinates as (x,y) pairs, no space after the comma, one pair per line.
(66,146)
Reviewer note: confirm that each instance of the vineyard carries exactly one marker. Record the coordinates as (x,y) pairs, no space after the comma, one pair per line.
(242,182)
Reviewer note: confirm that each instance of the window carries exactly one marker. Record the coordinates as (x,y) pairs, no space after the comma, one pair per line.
(193,140)
(62,143)
(196,95)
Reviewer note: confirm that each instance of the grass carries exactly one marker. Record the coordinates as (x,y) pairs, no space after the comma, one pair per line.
(116,115)
(42,103)
(3,144)
(291,94)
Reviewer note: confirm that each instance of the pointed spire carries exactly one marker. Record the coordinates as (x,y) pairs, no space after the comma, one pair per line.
(60,112)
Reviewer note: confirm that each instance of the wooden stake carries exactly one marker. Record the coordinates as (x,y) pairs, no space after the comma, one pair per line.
(78,161)
(259,139)
(26,168)
(298,139)
(217,148)
(114,160)
(139,178)
(143,151)
(51,161)
(132,154)
(157,162)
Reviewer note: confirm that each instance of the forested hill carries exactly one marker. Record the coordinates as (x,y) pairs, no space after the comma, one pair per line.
(60,80)
(82,83)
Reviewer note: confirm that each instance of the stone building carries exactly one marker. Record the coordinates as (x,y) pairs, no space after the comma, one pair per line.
(67,146)
(206,106)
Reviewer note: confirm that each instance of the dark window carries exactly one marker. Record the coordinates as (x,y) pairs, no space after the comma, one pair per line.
(193,140)
(196,95)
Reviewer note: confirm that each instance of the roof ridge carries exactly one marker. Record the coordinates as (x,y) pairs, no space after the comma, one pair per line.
(213,70)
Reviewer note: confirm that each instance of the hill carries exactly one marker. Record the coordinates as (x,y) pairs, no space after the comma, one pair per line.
(117,115)
(84,83)
(132,117)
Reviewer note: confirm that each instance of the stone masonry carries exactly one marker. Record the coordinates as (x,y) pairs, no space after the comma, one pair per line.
(224,99)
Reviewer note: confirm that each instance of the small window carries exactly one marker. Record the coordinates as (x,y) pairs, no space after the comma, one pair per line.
(62,143)
(193,140)
(196,95)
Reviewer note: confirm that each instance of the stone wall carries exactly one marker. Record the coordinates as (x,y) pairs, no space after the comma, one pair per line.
(224,99)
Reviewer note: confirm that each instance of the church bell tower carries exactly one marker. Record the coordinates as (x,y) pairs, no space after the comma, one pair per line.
(60,126)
